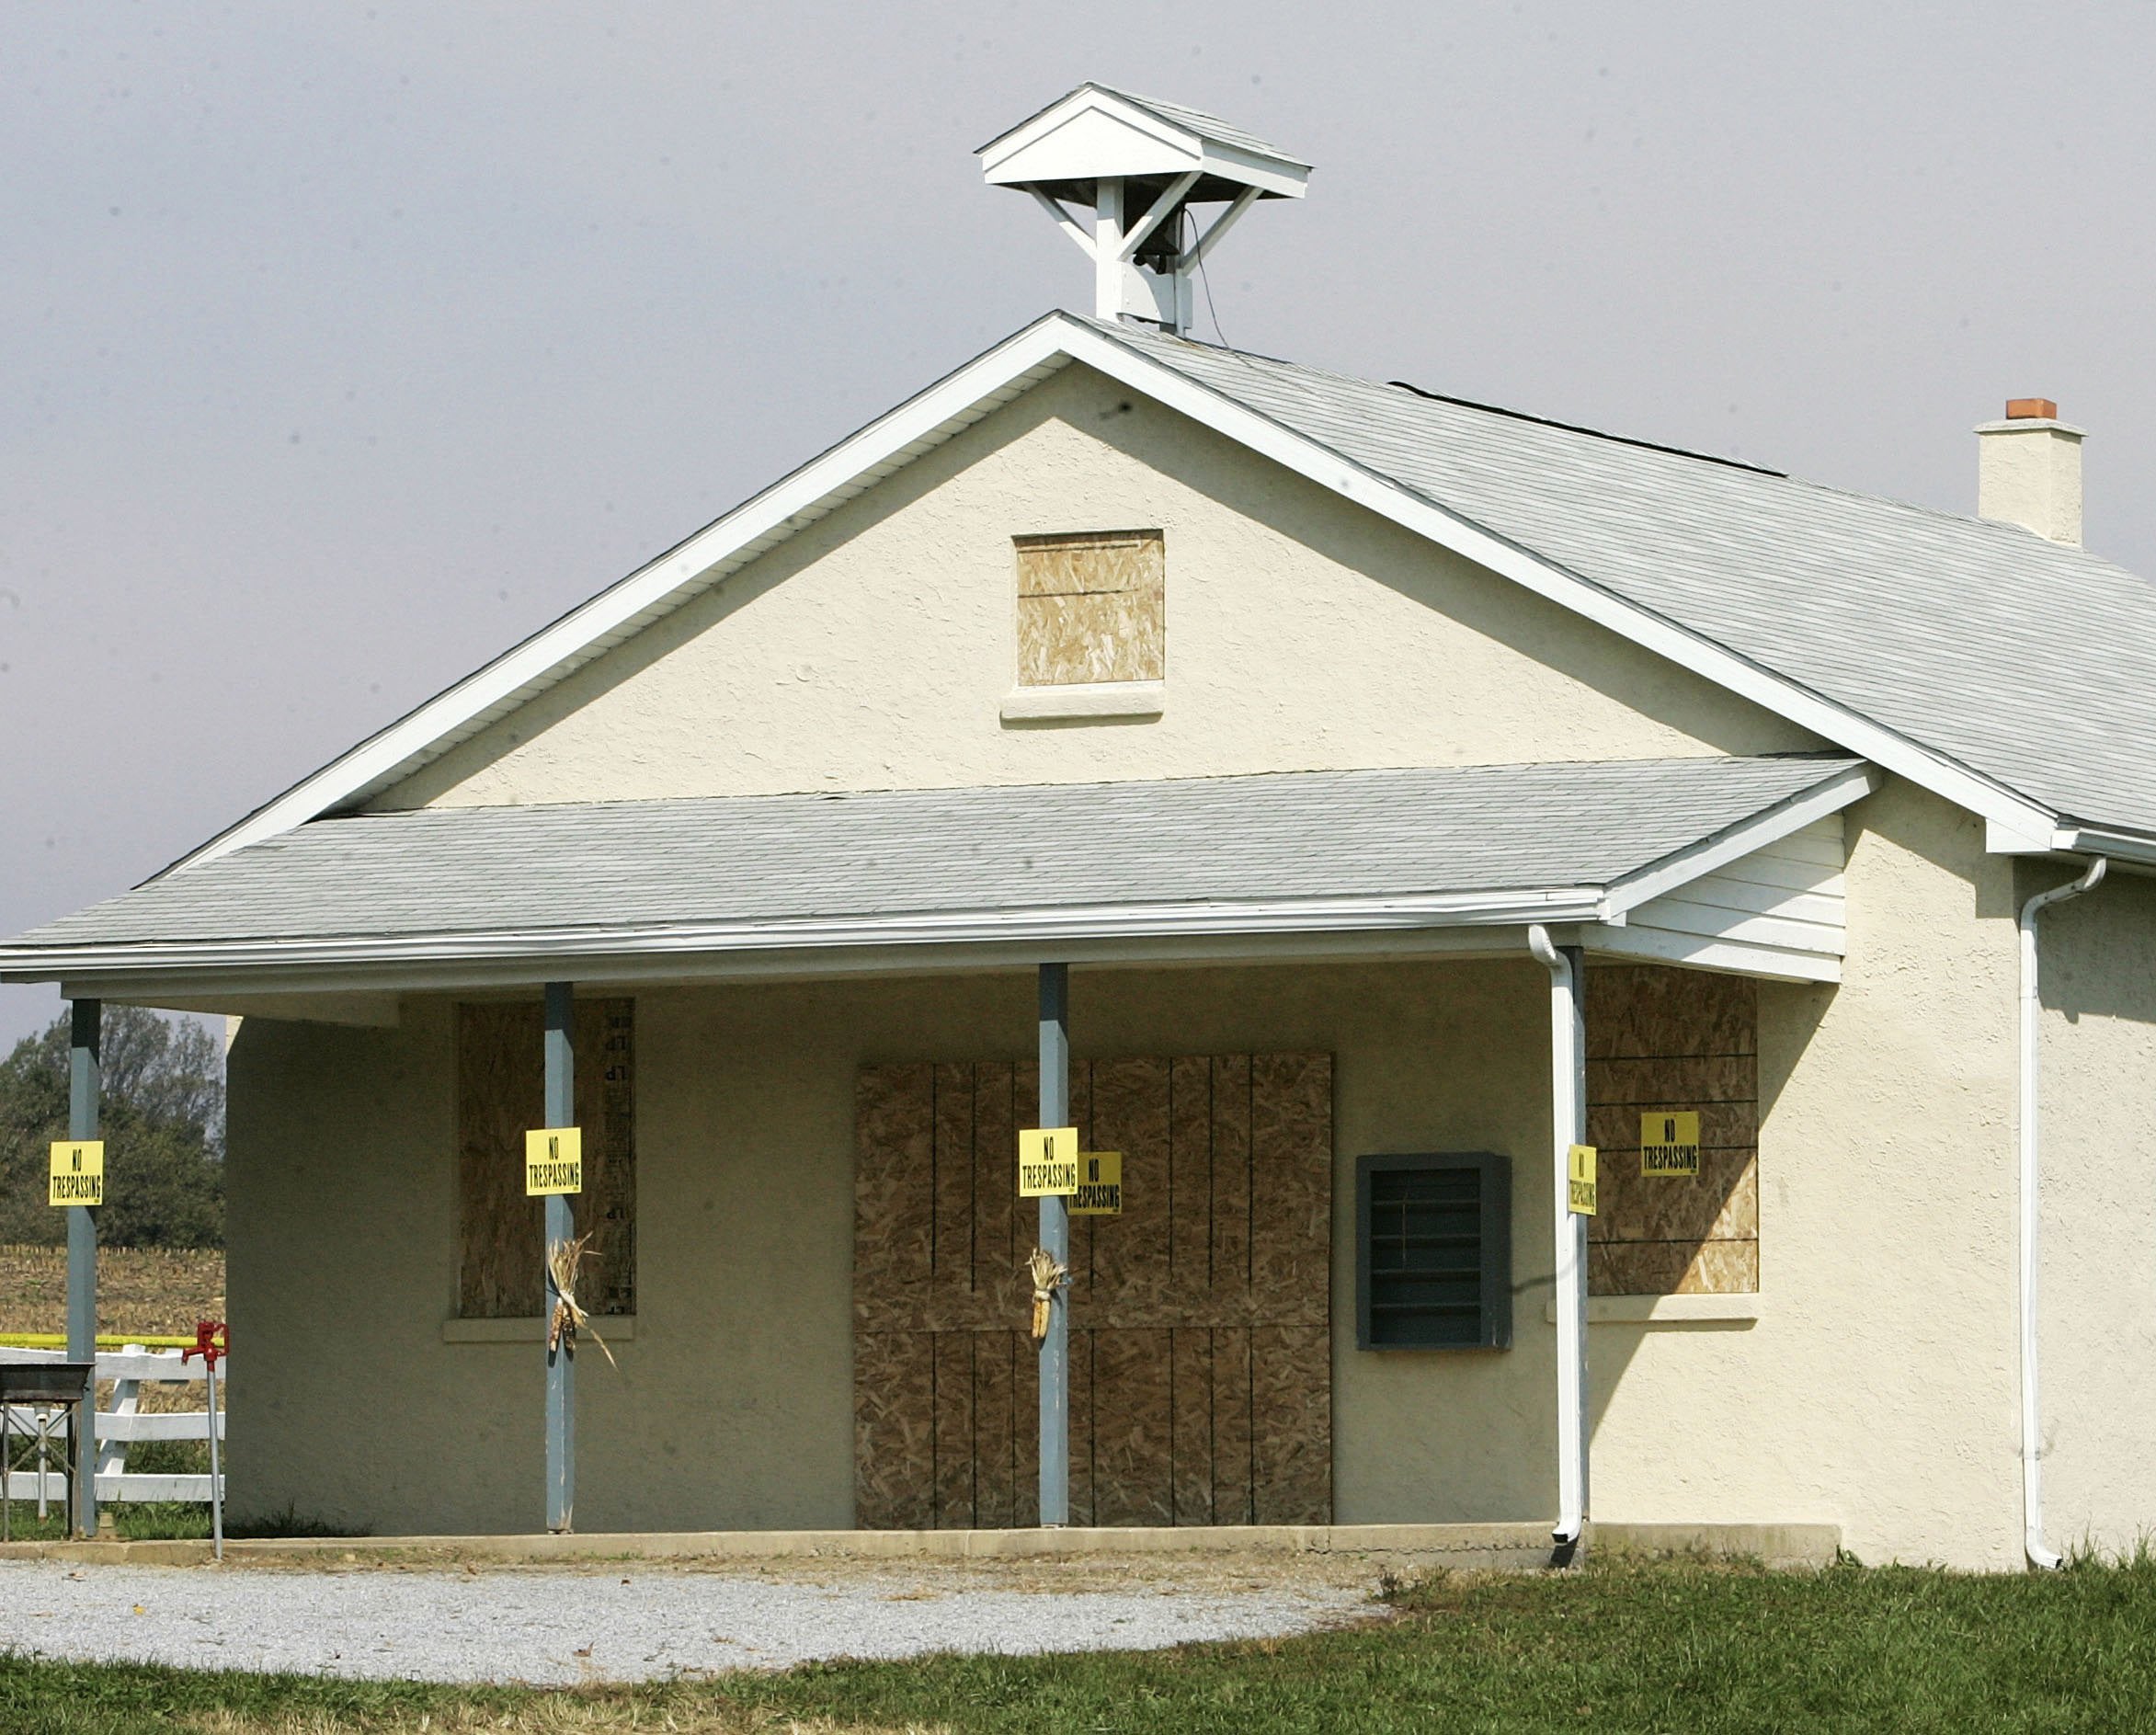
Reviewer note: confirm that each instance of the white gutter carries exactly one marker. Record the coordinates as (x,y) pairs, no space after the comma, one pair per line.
(1567,1127)
(1409,913)
(2120,846)
(2031,1485)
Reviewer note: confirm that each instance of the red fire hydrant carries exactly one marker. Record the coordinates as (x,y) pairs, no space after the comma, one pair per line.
(212,1343)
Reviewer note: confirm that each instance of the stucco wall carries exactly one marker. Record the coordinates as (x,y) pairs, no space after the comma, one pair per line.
(733,1404)
(873,649)
(1876,1391)
(1877,1387)
(2098,1279)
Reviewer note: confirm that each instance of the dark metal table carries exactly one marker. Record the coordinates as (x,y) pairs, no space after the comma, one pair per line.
(45,1383)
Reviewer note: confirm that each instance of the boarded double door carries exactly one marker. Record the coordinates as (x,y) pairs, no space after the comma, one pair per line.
(1199,1348)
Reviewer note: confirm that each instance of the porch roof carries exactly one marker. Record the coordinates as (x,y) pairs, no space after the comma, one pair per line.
(1292,853)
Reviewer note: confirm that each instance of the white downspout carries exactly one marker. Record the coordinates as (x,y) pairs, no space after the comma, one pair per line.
(2031,1485)
(1569,1127)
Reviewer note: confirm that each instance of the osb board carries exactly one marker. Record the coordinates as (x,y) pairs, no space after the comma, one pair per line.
(501,1094)
(1090,608)
(1221,1259)
(1660,1039)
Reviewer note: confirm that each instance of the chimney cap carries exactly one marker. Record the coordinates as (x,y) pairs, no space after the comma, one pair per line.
(2031,409)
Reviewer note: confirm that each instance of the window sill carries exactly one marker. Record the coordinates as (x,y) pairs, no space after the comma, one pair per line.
(531,1329)
(1092,698)
(1725,1310)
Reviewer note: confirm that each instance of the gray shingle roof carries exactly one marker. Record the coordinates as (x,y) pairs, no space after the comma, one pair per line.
(773,858)
(2029,663)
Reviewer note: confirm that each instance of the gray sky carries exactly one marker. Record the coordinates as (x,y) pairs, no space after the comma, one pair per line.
(344,345)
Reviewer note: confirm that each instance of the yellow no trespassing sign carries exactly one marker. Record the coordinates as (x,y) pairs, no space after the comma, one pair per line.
(1047,1162)
(1100,1187)
(1579,1179)
(78,1172)
(1668,1143)
(553,1161)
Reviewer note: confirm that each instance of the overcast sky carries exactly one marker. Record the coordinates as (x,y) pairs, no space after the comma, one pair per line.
(344,345)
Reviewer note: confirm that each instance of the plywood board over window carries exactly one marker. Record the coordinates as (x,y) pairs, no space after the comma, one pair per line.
(1091,607)
(1661,1040)
(1199,1358)
(501,1094)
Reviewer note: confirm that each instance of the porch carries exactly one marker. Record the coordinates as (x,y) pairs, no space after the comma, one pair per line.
(1441,970)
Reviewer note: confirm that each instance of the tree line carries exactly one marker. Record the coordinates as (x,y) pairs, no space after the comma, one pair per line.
(162,1117)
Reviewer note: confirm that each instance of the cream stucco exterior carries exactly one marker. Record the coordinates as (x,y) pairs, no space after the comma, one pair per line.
(1875,1391)
(874,649)
(2098,1250)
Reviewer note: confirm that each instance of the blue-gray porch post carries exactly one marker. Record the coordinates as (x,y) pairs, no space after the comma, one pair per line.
(83,1068)
(561,1226)
(1055,1243)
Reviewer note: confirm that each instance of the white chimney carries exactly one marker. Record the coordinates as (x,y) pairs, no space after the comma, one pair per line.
(1138,170)
(2029,471)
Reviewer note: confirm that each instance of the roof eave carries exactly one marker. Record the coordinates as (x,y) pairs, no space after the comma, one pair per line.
(315,963)
(968,395)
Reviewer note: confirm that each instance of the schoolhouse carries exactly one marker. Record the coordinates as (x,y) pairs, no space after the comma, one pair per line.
(1613,983)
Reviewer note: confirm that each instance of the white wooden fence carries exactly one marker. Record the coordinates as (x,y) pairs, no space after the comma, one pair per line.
(34,1426)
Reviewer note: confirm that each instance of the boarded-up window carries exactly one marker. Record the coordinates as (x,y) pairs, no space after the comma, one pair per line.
(1091,607)
(1201,1373)
(1661,1040)
(501,1094)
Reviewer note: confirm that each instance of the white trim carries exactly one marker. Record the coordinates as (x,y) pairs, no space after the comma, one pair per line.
(1092,698)
(967,395)
(1666,1309)
(1701,951)
(206,992)
(1748,836)
(2120,846)
(1136,921)
(1204,243)
(810,492)
(1653,632)
(1138,234)
(1065,110)
(1069,224)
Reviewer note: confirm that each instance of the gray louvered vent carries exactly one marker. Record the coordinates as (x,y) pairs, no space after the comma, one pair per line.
(1434,1252)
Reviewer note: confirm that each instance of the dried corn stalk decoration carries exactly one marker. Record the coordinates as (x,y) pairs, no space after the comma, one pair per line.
(1048,1277)
(568,1319)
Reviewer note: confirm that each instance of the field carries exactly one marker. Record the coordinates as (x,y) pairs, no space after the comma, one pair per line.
(1674,1646)
(140,1290)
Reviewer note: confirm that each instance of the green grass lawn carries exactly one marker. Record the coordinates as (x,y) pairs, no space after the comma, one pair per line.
(1613,1648)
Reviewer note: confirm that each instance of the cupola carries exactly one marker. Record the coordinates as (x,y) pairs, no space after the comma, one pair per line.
(1146,190)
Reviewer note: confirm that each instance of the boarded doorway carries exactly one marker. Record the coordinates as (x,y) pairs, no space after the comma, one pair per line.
(1201,1364)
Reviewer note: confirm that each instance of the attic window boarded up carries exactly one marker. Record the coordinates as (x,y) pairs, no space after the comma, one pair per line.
(1091,607)
(501,1094)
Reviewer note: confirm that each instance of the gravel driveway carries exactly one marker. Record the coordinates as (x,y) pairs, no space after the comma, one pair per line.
(550,1627)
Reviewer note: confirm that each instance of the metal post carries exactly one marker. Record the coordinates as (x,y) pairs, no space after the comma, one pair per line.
(83,1065)
(1572,1055)
(1055,1243)
(561,1226)
(216,1470)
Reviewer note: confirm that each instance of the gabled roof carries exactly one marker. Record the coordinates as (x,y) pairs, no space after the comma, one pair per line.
(2031,662)
(1178,115)
(1301,853)
(1983,662)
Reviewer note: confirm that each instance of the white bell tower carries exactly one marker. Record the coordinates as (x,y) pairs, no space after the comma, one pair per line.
(1140,169)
